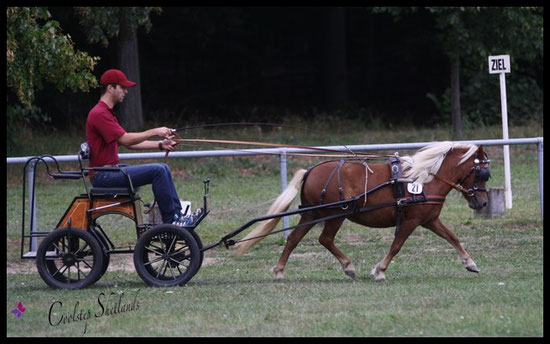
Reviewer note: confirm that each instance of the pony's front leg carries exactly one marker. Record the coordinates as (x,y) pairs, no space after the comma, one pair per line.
(379,271)
(439,228)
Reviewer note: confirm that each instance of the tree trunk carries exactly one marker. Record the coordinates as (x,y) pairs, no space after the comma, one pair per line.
(335,66)
(130,113)
(456,116)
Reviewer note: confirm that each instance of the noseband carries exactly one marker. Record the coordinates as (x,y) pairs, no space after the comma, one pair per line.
(481,174)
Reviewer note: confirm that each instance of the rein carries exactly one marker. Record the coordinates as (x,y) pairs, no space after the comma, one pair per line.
(276,145)
(456,186)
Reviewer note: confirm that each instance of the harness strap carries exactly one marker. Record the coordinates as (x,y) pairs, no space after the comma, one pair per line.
(340,190)
(433,200)
(454,185)
(396,174)
(324,190)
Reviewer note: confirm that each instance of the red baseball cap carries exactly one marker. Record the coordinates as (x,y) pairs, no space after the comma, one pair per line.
(115,76)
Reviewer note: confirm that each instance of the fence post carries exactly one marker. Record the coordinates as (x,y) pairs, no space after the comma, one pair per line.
(282,158)
(540,151)
(495,204)
(32,204)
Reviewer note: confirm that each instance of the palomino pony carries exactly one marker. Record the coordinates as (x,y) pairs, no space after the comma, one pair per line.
(436,169)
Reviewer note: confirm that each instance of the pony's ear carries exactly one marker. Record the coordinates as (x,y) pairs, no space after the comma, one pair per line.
(480,153)
(480,150)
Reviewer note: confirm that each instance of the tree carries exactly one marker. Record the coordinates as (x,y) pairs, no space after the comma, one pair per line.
(335,67)
(37,50)
(468,35)
(120,24)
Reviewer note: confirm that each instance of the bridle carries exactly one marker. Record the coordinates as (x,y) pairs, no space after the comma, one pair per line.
(481,174)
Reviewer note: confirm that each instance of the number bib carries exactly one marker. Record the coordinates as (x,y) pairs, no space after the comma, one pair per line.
(414,188)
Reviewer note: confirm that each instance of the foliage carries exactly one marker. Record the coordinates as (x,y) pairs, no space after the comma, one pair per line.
(476,33)
(103,23)
(37,49)
(19,118)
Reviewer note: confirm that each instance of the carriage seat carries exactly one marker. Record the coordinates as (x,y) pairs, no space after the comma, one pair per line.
(68,175)
(111,192)
(84,154)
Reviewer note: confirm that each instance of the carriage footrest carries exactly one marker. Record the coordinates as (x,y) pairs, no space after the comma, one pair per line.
(32,254)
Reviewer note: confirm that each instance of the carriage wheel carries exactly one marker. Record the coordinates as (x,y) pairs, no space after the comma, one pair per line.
(199,244)
(166,256)
(106,260)
(69,258)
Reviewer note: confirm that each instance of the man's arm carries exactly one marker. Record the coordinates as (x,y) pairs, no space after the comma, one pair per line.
(166,144)
(140,140)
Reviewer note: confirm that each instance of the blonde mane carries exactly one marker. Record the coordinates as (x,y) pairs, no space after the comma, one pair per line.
(427,161)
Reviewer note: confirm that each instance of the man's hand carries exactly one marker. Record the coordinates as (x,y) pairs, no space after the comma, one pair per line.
(135,140)
(164,132)
(168,145)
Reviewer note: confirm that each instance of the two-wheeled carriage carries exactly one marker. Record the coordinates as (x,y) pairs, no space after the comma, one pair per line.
(76,253)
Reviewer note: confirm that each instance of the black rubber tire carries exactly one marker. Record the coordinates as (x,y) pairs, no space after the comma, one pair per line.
(166,256)
(69,258)
(199,244)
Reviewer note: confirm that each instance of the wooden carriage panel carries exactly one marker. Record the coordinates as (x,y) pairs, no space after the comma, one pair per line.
(77,213)
(127,208)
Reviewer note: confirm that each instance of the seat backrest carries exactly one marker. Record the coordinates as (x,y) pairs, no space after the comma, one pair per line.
(84,151)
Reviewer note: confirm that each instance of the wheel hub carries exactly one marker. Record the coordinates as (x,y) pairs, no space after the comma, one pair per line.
(69,259)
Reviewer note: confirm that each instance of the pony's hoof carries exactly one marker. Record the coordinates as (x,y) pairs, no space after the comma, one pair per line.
(279,274)
(351,274)
(380,278)
(472,268)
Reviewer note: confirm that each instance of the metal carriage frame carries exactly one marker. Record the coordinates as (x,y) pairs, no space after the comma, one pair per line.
(76,252)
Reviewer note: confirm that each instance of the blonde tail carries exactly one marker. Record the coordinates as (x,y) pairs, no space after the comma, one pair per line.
(281,204)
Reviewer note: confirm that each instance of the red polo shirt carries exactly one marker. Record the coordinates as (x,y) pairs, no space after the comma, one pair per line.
(102,132)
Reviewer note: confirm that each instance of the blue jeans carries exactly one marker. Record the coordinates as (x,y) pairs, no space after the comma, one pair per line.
(157,174)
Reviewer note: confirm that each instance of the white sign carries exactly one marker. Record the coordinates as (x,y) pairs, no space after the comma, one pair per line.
(414,188)
(499,64)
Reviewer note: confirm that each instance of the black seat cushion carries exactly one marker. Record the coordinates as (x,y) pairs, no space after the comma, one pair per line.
(100,191)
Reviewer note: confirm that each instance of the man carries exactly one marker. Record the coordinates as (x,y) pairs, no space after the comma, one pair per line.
(104,135)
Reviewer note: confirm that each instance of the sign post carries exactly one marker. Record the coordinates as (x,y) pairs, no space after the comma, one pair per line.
(500,64)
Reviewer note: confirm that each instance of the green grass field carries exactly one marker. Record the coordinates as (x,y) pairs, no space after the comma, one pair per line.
(428,292)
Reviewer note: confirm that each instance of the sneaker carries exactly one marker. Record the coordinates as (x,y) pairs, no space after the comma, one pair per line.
(183,221)
(180,219)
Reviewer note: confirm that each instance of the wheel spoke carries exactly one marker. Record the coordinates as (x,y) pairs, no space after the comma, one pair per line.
(80,271)
(83,260)
(154,261)
(165,267)
(57,248)
(159,270)
(172,244)
(81,248)
(59,270)
(154,251)
(172,272)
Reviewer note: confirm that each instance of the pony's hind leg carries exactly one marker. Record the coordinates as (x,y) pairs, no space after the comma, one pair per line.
(291,242)
(327,239)
(440,229)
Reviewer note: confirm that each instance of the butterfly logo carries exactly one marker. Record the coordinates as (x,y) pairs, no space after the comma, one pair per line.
(19,310)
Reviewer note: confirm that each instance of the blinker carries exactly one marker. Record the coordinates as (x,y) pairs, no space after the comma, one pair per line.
(483,174)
